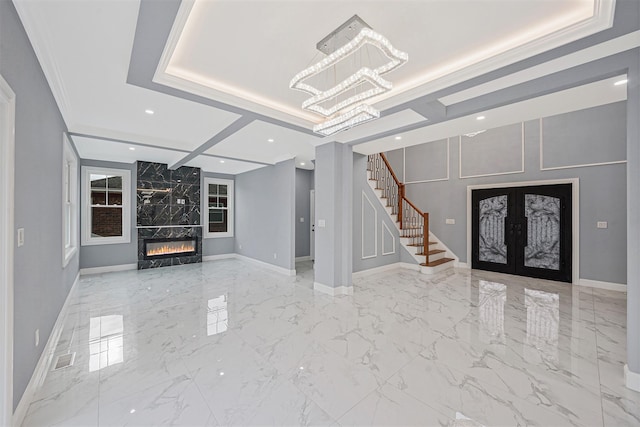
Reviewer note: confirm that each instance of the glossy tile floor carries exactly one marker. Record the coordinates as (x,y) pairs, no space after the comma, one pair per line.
(230,343)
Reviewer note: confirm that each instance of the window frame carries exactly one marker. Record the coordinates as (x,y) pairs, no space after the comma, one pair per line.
(70,196)
(87,238)
(230,208)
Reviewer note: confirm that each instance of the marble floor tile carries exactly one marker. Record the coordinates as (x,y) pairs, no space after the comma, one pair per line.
(230,343)
(333,382)
(177,402)
(388,406)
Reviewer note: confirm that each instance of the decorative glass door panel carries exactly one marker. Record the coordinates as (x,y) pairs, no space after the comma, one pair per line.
(493,212)
(543,231)
(523,230)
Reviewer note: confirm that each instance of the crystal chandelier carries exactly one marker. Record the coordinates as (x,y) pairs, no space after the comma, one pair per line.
(352,110)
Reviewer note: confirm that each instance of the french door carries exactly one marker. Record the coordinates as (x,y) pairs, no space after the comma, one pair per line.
(523,230)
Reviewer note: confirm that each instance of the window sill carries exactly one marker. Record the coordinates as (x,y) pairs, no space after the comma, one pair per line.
(218,235)
(106,241)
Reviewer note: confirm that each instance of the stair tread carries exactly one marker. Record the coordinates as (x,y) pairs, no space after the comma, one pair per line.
(437,262)
(430,243)
(432,252)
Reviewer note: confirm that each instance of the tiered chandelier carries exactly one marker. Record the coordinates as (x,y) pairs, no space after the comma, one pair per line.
(348,110)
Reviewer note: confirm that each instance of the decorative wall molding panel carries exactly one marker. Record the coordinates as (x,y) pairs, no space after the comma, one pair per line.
(508,140)
(591,137)
(427,161)
(369,228)
(386,242)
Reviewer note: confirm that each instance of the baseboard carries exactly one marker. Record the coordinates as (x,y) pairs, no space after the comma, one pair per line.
(603,285)
(631,379)
(42,367)
(217,257)
(108,269)
(303,258)
(458,264)
(276,268)
(329,290)
(376,270)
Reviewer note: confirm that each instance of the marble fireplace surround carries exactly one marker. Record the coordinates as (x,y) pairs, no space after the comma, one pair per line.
(168,207)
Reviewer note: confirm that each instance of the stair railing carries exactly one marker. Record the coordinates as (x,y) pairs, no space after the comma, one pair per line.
(414,223)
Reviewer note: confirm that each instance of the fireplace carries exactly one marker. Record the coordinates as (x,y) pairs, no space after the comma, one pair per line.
(170,247)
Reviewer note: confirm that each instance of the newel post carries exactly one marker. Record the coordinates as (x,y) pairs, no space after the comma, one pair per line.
(425,237)
(400,197)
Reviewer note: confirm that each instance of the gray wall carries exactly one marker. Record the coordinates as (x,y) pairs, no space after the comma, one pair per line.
(334,205)
(107,255)
(41,284)
(304,184)
(589,136)
(633,214)
(265,214)
(368,230)
(222,245)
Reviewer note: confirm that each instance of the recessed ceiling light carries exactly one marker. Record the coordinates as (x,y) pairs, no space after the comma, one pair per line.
(221,161)
(398,138)
(301,163)
(270,140)
(480,118)
(149,112)
(132,148)
(620,82)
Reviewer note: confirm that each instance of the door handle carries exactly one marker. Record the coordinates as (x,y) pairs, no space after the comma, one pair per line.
(508,228)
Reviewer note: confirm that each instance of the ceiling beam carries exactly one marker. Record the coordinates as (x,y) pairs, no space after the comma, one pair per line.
(216,139)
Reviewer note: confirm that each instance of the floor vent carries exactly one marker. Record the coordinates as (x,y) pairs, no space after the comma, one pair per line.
(64,361)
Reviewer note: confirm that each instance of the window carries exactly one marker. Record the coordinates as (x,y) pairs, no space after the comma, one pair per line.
(106,206)
(218,211)
(69,202)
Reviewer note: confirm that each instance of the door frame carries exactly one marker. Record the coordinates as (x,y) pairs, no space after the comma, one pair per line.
(575,216)
(7,165)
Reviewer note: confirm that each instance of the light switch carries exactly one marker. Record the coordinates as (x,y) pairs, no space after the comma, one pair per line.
(602,224)
(321,223)
(450,221)
(301,219)
(20,238)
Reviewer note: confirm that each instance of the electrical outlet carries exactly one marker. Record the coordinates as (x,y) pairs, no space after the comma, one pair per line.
(20,238)
(37,337)
(602,224)
(240,246)
(275,255)
(450,221)
(301,219)
(321,223)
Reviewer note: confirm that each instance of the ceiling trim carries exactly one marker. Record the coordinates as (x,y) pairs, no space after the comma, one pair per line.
(591,53)
(602,19)
(155,20)
(139,144)
(183,80)
(44,53)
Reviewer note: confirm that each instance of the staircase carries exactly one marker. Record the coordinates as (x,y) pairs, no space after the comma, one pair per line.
(413,224)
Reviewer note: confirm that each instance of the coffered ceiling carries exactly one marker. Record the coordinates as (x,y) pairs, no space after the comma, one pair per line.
(215,73)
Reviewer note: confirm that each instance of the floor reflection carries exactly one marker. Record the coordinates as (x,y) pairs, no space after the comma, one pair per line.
(106,341)
(543,312)
(217,315)
(492,297)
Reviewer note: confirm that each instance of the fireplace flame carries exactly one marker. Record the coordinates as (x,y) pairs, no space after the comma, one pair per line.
(170,248)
